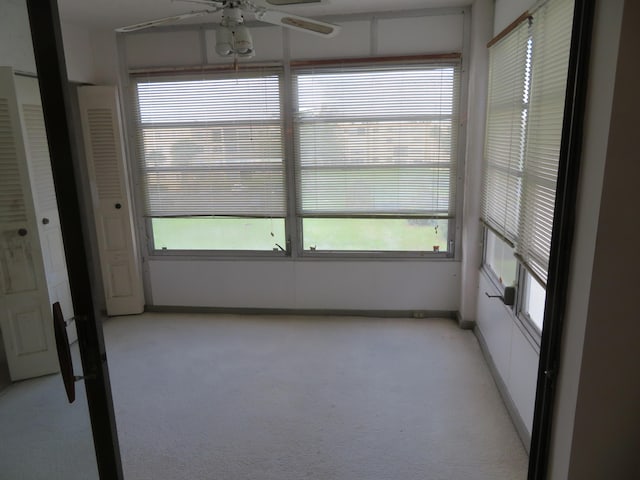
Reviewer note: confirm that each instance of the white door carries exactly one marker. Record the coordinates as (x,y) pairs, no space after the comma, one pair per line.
(44,195)
(25,312)
(104,150)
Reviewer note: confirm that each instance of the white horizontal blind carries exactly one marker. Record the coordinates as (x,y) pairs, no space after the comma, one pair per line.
(505,132)
(551,33)
(211,146)
(377,140)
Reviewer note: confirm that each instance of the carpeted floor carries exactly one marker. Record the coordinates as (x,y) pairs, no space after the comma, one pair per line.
(234,397)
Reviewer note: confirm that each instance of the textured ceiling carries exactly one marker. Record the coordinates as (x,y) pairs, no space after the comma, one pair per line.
(109,14)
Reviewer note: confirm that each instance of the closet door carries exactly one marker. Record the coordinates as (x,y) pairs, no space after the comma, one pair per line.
(25,311)
(104,149)
(44,196)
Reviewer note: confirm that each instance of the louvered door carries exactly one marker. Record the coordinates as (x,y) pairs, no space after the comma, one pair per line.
(44,196)
(25,312)
(111,199)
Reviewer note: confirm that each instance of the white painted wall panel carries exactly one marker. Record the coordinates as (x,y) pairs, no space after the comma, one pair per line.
(506,11)
(267,42)
(523,375)
(202,283)
(363,285)
(16,49)
(77,53)
(420,35)
(178,48)
(495,324)
(513,354)
(354,40)
(105,54)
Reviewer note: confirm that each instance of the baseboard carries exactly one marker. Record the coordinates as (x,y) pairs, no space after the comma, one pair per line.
(523,433)
(465,324)
(304,311)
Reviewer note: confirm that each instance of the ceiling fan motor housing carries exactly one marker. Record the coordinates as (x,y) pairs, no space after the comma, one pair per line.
(232,16)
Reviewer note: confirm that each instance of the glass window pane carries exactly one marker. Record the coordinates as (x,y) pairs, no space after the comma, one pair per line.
(375,234)
(500,259)
(535,297)
(228,233)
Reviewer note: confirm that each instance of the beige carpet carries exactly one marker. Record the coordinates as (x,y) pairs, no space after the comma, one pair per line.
(288,398)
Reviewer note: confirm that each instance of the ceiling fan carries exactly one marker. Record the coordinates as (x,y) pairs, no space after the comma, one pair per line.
(232,36)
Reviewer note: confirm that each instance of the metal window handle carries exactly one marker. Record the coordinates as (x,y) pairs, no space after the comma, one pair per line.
(22,232)
(508,298)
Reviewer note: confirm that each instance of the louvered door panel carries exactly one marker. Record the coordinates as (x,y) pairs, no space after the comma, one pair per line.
(44,197)
(105,157)
(12,205)
(111,197)
(25,314)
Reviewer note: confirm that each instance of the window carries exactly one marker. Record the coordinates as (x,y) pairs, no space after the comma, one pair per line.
(211,161)
(376,156)
(373,167)
(528,74)
(533,301)
(500,259)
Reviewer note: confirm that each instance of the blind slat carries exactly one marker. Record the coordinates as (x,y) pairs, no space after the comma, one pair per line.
(211,146)
(505,132)
(551,33)
(377,140)
(527,83)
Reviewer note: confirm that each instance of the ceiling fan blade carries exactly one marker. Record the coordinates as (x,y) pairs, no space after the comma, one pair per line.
(290,2)
(296,22)
(162,21)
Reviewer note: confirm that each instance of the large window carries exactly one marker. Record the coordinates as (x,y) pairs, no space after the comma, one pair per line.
(211,161)
(376,156)
(372,169)
(527,84)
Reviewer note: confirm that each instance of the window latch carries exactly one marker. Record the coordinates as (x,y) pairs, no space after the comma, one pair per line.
(508,297)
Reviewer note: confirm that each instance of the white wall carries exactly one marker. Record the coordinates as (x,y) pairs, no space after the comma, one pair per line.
(407,285)
(506,11)
(317,285)
(507,344)
(481,33)
(78,54)
(595,431)
(16,49)
(606,438)
(512,352)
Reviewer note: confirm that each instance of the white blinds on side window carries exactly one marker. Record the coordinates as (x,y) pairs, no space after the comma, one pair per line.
(211,146)
(377,140)
(551,33)
(527,88)
(505,133)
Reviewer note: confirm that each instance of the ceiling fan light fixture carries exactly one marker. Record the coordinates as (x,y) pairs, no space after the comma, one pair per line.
(243,43)
(224,41)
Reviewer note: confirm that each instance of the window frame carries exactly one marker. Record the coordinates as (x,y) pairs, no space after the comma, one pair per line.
(293,223)
(247,72)
(456,180)
(517,310)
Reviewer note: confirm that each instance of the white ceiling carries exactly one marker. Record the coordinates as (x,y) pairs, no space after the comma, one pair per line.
(109,14)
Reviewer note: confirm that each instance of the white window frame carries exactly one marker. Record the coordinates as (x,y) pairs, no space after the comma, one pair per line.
(279,251)
(526,239)
(454,223)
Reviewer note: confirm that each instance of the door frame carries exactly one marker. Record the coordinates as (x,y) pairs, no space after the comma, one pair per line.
(562,238)
(55,90)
